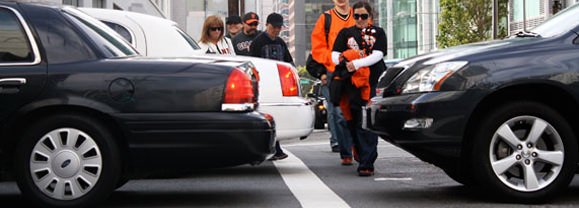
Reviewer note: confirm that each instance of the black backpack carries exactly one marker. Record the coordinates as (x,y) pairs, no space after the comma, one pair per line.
(314,68)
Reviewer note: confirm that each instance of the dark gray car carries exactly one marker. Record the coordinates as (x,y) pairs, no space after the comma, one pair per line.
(502,115)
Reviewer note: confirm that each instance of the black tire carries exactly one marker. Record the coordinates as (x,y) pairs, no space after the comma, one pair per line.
(523,160)
(319,123)
(86,178)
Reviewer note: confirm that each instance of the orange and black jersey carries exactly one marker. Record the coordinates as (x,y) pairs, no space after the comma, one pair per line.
(322,46)
(372,38)
(369,39)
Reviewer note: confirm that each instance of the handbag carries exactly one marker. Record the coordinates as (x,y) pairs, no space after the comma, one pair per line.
(314,68)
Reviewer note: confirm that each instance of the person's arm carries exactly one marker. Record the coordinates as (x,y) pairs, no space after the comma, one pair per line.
(254,49)
(369,60)
(339,46)
(287,57)
(336,57)
(235,41)
(320,49)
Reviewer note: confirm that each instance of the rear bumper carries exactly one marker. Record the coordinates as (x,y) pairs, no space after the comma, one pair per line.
(197,140)
(293,119)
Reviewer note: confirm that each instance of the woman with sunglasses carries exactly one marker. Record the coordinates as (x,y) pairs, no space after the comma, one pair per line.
(213,40)
(358,52)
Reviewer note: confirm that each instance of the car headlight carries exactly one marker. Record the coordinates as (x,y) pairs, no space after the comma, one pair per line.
(430,78)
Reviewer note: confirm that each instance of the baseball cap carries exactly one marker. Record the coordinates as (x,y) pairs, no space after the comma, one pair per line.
(233,19)
(275,19)
(250,17)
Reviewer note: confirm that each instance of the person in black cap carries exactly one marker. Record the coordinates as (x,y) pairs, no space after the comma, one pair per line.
(234,25)
(269,45)
(243,40)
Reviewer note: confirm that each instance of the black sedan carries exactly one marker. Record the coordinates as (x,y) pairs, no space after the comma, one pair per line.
(502,115)
(81,112)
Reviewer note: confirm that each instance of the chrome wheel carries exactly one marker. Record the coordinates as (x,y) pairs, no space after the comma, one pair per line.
(526,153)
(65,164)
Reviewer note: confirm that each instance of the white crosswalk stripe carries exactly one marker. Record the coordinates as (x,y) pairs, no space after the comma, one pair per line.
(308,189)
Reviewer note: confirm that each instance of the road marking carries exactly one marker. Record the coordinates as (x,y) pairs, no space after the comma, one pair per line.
(306,144)
(308,189)
(392,179)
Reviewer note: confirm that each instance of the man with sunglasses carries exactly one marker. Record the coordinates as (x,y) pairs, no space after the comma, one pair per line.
(358,53)
(243,40)
(322,42)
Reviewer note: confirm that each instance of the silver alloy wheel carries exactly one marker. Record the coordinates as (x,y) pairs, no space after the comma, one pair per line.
(65,164)
(526,153)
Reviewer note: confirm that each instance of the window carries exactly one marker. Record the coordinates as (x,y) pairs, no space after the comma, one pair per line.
(72,2)
(14,46)
(189,40)
(103,36)
(121,31)
(532,9)
(98,3)
(404,27)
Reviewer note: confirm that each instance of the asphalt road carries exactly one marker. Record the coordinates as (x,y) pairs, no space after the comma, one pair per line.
(311,177)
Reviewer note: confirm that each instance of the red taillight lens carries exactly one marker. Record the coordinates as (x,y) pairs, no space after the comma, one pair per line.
(239,88)
(288,79)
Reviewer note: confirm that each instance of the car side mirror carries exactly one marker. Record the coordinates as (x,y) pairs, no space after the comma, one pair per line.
(311,95)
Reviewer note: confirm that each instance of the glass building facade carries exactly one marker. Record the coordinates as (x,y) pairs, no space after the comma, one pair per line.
(404,28)
(410,25)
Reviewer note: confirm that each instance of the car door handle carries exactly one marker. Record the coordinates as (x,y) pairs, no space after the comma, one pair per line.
(11,85)
(12,82)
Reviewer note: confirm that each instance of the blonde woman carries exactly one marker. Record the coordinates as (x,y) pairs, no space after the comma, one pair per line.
(213,40)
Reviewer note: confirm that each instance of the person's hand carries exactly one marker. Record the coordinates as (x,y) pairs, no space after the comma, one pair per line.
(350,66)
(324,79)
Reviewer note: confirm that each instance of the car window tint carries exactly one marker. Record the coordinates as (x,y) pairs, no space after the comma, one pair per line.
(103,36)
(14,46)
(121,31)
(190,40)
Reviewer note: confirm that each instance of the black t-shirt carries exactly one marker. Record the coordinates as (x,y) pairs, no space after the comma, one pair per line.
(241,43)
(375,39)
(263,46)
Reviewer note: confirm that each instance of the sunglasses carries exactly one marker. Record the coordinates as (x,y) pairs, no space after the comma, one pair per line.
(216,28)
(253,24)
(363,16)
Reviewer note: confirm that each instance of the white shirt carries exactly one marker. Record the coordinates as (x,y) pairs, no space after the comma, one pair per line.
(223,46)
(363,62)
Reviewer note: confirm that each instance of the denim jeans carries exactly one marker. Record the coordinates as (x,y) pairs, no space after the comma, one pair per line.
(365,142)
(338,126)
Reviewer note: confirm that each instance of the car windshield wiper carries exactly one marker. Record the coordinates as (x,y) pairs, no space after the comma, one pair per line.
(527,34)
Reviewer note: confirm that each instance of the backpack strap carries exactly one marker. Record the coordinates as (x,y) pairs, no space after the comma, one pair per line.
(328,21)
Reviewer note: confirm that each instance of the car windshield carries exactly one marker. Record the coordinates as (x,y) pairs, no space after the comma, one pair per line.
(561,23)
(108,40)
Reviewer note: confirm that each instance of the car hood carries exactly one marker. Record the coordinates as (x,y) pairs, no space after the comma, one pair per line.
(397,75)
(469,51)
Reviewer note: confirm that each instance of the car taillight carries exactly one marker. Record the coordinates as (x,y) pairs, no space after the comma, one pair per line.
(239,94)
(288,79)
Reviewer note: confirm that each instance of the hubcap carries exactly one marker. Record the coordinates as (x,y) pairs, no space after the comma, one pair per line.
(526,153)
(65,164)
